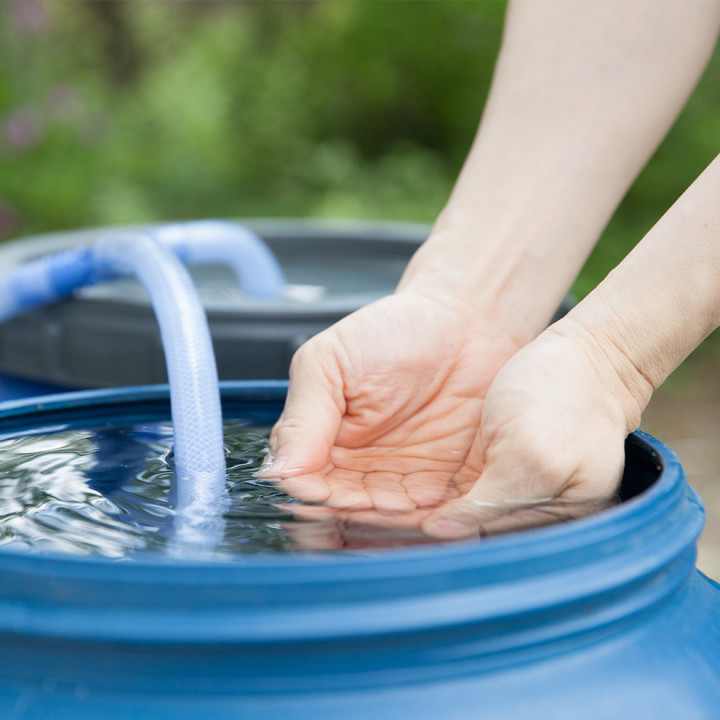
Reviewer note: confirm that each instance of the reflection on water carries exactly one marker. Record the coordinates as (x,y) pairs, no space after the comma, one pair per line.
(109,491)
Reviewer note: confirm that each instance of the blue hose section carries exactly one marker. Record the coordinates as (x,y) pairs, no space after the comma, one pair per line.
(53,277)
(154,258)
(45,280)
(218,241)
(201,495)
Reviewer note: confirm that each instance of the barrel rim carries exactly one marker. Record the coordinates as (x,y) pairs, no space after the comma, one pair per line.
(536,541)
(559,582)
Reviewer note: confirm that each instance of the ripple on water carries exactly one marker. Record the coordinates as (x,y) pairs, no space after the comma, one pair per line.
(109,491)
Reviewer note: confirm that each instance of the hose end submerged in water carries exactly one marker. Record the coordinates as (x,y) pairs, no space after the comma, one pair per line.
(189,355)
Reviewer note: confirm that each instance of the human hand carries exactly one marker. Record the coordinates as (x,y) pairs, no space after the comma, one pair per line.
(382,415)
(552,439)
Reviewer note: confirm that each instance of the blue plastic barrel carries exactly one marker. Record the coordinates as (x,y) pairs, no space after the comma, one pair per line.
(602,617)
(16,388)
(107,335)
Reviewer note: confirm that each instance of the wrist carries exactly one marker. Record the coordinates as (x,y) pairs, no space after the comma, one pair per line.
(492,273)
(627,387)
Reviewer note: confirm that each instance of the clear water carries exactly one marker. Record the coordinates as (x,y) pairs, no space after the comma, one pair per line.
(109,491)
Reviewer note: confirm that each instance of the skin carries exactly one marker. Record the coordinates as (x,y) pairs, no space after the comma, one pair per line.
(446,406)
(597,369)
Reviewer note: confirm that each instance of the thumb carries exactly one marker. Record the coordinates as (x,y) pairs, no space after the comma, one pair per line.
(305,433)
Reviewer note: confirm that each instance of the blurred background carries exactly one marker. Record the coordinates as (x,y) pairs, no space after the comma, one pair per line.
(124,112)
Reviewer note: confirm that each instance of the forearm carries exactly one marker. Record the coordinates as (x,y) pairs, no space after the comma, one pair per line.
(583,92)
(659,303)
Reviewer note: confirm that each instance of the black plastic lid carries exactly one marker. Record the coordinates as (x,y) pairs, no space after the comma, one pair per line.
(107,336)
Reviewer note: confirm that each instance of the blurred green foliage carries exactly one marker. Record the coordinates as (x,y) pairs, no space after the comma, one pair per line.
(123,112)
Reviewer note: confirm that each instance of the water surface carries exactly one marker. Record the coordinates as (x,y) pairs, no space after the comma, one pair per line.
(109,491)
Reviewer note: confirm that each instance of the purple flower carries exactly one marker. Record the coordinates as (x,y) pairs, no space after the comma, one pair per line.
(23,128)
(30,16)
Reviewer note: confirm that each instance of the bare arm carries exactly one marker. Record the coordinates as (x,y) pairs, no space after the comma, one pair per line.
(556,415)
(583,93)
(661,301)
(389,411)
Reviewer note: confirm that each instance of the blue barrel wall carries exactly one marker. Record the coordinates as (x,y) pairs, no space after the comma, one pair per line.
(603,617)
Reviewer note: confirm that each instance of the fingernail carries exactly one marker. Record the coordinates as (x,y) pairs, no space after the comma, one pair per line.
(271,466)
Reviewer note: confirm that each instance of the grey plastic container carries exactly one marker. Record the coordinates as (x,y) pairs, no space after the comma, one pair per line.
(107,336)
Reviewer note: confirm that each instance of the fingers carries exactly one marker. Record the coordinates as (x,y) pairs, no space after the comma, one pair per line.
(303,436)
(512,483)
(464,518)
(310,487)
(351,490)
(387,492)
(428,489)
(523,490)
(474,515)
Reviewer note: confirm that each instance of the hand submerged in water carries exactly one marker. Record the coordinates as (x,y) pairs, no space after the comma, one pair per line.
(383,409)
(401,413)
(395,418)
(551,440)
